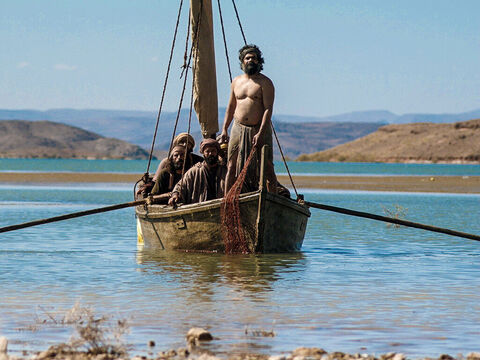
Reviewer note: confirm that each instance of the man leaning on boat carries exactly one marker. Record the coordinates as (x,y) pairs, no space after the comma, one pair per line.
(203,181)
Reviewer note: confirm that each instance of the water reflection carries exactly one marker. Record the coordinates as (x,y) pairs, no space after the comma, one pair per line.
(251,273)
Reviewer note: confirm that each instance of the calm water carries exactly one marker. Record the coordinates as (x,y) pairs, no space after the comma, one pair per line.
(139,166)
(357,286)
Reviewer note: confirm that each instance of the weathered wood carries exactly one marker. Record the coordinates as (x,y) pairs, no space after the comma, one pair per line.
(393,220)
(197,227)
(79,214)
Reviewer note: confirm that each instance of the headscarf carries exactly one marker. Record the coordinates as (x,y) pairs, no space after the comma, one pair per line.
(177,148)
(182,136)
(209,142)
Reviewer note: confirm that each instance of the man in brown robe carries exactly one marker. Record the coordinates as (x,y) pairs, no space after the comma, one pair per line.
(171,174)
(203,181)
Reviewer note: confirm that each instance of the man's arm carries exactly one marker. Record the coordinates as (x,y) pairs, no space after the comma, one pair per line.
(268,96)
(160,187)
(232,104)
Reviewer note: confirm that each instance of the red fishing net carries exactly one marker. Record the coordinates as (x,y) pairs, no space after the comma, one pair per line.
(235,233)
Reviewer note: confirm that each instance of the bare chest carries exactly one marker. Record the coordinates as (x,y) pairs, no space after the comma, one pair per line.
(248,89)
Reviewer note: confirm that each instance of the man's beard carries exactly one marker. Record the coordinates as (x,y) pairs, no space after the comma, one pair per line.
(251,68)
(178,165)
(211,160)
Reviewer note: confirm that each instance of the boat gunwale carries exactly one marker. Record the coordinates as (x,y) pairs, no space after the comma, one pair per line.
(160,211)
(164,211)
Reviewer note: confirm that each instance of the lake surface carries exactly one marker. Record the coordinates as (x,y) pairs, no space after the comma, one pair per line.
(305,168)
(357,286)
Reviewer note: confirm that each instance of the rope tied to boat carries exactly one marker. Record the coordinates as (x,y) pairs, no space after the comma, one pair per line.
(233,230)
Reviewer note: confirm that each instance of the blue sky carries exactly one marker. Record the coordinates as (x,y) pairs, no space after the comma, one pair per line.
(324,57)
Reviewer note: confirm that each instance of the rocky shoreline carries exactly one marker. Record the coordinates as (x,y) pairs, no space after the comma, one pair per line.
(194,351)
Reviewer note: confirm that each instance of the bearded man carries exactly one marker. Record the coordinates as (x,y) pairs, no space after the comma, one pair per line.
(182,139)
(203,181)
(169,176)
(250,106)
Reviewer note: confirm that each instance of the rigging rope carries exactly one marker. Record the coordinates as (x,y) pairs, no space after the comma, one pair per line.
(195,59)
(184,83)
(184,66)
(271,122)
(239,22)
(284,161)
(224,40)
(164,88)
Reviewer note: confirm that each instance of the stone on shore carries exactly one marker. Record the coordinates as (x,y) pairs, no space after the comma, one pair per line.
(195,335)
(3,345)
(3,348)
(304,352)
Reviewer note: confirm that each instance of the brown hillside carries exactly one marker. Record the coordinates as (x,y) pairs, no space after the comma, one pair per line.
(420,142)
(46,139)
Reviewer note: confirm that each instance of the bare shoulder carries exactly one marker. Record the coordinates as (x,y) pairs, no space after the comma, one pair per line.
(238,78)
(265,80)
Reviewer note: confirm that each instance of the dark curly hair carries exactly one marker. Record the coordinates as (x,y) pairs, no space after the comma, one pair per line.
(251,48)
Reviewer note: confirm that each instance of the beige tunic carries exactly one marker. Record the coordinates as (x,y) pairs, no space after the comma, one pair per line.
(194,187)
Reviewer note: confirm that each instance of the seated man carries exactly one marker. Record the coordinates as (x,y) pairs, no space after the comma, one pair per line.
(171,174)
(182,139)
(203,181)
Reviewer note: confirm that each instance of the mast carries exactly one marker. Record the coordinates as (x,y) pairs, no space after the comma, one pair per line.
(205,86)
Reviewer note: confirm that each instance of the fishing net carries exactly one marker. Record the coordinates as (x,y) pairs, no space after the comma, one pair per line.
(234,232)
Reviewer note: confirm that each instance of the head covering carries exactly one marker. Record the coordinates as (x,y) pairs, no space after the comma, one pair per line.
(209,142)
(183,136)
(177,148)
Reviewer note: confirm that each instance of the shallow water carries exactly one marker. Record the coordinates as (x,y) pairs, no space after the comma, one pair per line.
(357,286)
(299,168)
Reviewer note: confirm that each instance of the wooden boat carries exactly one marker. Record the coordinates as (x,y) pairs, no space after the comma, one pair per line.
(271,223)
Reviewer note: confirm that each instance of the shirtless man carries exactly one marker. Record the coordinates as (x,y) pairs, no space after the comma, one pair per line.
(250,106)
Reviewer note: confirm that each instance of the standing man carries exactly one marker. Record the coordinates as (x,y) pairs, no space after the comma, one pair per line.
(250,106)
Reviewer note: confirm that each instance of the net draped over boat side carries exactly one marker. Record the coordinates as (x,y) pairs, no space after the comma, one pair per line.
(205,87)
(233,231)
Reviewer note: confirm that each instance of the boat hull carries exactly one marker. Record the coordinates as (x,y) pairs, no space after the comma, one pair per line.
(271,224)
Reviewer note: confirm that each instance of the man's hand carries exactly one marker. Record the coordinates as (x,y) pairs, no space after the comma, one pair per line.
(173,199)
(255,140)
(224,137)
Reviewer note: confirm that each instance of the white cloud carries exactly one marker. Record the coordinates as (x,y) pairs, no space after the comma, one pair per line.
(65,67)
(23,64)
(154,59)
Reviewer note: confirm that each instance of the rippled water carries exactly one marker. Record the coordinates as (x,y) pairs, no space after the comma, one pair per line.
(357,286)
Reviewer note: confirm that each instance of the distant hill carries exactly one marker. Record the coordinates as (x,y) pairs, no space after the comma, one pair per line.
(418,142)
(297,139)
(46,139)
(308,134)
(137,127)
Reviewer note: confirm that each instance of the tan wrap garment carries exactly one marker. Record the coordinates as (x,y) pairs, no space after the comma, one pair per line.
(240,145)
(193,188)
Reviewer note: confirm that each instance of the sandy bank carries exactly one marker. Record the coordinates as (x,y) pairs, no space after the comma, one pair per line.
(447,184)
